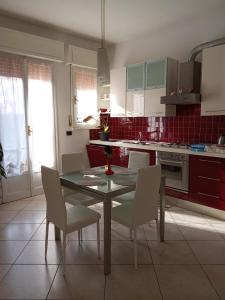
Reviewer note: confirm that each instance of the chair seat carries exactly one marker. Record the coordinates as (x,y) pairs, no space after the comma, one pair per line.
(80,216)
(79,198)
(125,197)
(123,214)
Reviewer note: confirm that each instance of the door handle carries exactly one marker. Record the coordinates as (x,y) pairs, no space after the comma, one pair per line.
(29,130)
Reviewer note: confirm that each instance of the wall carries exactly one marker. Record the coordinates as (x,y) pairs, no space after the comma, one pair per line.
(186,127)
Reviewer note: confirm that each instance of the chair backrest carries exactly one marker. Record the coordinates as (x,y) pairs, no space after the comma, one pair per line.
(145,206)
(72,162)
(56,209)
(138,160)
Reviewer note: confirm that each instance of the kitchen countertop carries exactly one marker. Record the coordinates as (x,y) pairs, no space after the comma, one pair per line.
(212,150)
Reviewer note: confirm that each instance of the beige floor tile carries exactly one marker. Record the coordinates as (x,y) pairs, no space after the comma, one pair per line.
(126,283)
(34,253)
(85,254)
(9,251)
(7,216)
(80,283)
(89,233)
(36,205)
(3,270)
(171,252)
(123,253)
(15,205)
(39,235)
(220,229)
(27,282)
(197,231)
(216,275)
(209,252)
(184,283)
(38,198)
(18,232)
(29,217)
(120,232)
(189,217)
(172,232)
(2,226)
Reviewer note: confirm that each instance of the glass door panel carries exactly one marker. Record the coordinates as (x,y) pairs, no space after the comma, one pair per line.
(13,129)
(40,121)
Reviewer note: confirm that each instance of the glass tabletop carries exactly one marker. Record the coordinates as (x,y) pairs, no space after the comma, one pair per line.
(95,179)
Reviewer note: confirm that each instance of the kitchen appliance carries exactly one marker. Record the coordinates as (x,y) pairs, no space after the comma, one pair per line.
(175,166)
(189,82)
(221,140)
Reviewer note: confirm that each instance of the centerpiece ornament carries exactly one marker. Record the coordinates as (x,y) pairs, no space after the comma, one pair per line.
(108,154)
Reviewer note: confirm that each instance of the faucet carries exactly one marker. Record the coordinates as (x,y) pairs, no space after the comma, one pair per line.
(140,137)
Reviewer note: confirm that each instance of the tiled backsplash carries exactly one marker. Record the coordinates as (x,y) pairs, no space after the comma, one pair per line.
(187,127)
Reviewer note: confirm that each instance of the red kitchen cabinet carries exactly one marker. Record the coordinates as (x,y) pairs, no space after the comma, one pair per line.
(120,155)
(207,181)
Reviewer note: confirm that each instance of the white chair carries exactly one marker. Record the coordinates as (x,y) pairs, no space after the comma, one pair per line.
(136,161)
(67,220)
(70,163)
(144,207)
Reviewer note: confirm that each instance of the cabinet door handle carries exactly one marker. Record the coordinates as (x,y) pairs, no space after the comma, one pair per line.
(214,111)
(159,113)
(211,161)
(209,178)
(204,194)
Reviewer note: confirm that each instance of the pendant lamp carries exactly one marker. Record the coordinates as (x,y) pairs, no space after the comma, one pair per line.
(103,71)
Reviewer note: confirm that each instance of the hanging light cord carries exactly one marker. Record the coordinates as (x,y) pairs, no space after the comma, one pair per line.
(103,23)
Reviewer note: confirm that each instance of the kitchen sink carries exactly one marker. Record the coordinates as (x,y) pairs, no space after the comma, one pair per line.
(138,142)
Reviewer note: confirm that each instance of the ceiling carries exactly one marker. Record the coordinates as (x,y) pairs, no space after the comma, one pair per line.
(125,19)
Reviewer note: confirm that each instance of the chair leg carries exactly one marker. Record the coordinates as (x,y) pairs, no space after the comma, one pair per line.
(64,252)
(46,238)
(131,234)
(135,249)
(98,239)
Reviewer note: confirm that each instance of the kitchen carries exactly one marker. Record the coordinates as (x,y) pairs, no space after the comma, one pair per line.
(150,34)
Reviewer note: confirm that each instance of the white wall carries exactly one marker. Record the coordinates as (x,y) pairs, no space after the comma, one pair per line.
(79,138)
(175,41)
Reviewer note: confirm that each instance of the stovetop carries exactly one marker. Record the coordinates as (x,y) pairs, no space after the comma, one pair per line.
(174,145)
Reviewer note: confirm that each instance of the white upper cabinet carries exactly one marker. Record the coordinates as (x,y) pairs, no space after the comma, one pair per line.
(160,80)
(118,92)
(213,81)
(135,103)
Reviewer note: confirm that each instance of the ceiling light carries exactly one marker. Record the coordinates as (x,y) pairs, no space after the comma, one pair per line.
(103,71)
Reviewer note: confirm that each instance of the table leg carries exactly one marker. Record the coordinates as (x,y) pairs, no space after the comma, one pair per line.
(107,235)
(57,234)
(162,208)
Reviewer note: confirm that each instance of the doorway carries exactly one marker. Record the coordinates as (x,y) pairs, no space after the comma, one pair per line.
(27,126)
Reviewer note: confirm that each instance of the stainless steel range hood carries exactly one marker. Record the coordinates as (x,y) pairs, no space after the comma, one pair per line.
(189,82)
(190,77)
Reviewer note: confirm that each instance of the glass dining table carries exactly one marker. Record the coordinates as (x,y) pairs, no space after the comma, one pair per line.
(96,183)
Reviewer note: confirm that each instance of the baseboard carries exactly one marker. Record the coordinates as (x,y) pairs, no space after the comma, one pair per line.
(209,211)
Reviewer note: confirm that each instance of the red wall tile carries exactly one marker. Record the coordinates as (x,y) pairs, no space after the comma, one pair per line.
(187,127)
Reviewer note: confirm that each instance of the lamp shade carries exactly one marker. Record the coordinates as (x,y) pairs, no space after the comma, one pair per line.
(103,71)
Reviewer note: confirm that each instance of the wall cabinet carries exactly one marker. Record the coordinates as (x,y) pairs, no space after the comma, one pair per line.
(207,181)
(135,103)
(118,92)
(213,81)
(160,80)
(135,77)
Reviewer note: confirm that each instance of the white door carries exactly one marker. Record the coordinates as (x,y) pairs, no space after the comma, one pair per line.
(41,134)
(25,96)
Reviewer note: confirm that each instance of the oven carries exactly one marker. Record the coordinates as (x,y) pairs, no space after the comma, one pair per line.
(175,166)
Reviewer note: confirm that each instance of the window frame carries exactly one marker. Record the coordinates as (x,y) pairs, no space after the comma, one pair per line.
(76,125)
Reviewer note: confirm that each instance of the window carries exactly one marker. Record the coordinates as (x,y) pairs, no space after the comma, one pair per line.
(85,97)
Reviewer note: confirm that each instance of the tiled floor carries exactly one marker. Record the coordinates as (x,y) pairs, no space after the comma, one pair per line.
(190,264)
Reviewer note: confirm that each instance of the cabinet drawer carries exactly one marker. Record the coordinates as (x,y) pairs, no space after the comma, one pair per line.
(207,167)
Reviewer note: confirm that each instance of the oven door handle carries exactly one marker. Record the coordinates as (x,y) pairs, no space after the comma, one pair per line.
(171,162)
